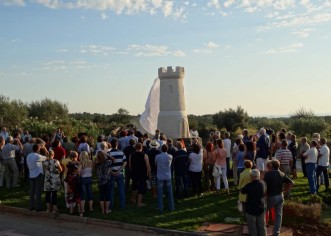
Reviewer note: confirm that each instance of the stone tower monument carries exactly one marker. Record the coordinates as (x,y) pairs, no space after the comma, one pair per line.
(172,119)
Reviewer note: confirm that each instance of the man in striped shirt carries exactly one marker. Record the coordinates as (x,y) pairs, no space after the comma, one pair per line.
(284,156)
(117,173)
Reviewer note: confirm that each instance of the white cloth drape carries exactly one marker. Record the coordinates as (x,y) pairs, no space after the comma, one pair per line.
(148,118)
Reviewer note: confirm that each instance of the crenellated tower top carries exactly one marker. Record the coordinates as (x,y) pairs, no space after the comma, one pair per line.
(170,73)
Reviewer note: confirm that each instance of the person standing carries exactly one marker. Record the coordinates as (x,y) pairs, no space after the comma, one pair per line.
(220,154)
(153,145)
(52,183)
(303,148)
(8,156)
(163,164)
(85,169)
(311,159)
(140,170)
(323,164)
(262,148)
(227,146)
(255,205)
(117,173)
(34,162)
(277,183)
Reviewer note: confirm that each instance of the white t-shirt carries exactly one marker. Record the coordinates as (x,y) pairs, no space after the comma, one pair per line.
(311,155)
(325,154)
(34,163)
(195,162)
(227,146)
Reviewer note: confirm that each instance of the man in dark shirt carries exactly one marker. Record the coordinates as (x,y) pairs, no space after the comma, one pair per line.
(255,204)
(262,151)
(127,152)
(154,145)
(180,165)
(277,182)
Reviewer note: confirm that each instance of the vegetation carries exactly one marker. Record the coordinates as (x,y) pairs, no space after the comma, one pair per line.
(191,213)
(231,119)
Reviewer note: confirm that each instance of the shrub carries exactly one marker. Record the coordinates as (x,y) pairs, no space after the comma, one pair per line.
(302,213)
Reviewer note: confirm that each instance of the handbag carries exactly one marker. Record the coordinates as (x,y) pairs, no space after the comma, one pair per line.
(217,170)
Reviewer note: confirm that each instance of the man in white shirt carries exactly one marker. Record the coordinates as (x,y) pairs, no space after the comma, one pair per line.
(311,160)
(36,173)
(323,163)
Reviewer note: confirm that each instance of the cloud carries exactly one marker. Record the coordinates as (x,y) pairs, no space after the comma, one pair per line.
(104,16)
(179,53)
(211,45)
(207,48)
(228,3)
(214,3)
(303,33)
(288,49)
(169,8)
(148,50)
(20,3)
(16,40)
(97,49)
(63,50)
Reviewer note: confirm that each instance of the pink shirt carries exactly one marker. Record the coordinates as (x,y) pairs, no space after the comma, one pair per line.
(220,156)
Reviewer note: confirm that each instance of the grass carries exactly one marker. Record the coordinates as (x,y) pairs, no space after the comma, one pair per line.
(189,215)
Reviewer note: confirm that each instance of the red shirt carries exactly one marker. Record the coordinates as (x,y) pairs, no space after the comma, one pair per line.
(59,153)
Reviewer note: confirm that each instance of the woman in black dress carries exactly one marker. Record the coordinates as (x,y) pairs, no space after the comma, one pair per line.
(140,170)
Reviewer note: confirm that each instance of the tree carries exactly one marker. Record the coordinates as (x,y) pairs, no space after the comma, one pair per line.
(13,112)
(122,117)
(231,119)
(48,109)
(303,113)
(309,126)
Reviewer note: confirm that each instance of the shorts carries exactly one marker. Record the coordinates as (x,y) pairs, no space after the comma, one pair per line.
(261,164)
(153,179)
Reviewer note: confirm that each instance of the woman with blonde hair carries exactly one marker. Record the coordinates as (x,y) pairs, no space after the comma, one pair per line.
(103,167)
(85,171)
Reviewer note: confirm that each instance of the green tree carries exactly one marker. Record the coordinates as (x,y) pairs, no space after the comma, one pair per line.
(48,109)
(13,112)
(231,119)
(122,117)
(309,126)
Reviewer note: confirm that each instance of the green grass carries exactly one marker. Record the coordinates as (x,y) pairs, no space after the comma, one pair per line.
(189,215)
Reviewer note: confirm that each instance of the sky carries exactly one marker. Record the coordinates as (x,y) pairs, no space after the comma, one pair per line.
(271,57)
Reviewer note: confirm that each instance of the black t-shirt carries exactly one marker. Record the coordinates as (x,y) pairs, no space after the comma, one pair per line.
(151,157)
(255,190)
(275,181)
(180,162)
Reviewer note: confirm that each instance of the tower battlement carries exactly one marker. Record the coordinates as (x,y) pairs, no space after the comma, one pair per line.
(170,73)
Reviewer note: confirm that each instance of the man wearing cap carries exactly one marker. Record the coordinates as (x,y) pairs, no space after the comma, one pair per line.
(153,145)
(277,183)
(255,204)
(8,156)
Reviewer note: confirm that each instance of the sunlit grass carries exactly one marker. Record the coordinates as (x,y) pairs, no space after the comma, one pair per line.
(189,215)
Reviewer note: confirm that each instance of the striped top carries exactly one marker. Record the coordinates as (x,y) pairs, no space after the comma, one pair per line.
(284,156)
(120,159)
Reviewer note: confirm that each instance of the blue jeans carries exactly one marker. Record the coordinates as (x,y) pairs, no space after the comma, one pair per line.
(86,189)
(256,224)
(311,175)
(168,185)
(36,187)
(119,179)
(104,192)
(277,202)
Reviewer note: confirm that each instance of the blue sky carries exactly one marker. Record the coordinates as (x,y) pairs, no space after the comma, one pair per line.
(271,57)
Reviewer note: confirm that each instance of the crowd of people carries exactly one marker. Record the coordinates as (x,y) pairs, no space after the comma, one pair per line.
(261,164)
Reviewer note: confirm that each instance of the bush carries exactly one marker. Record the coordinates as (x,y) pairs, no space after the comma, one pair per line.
(302,213)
